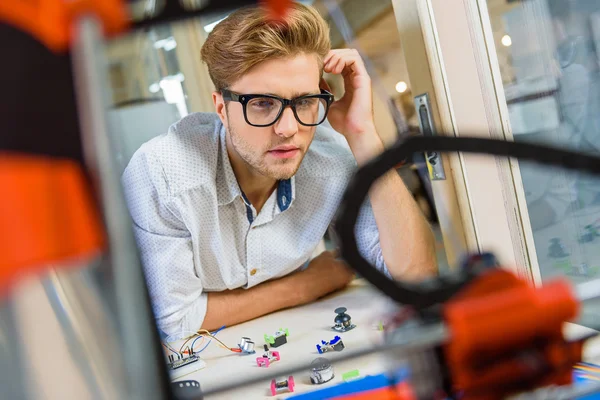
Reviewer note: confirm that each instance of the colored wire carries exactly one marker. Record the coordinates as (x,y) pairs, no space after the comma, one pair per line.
(194,343)
(166,346)
(206,345)
(207,333)
(204,332)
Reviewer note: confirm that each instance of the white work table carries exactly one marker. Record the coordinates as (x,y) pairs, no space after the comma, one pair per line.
(307,325)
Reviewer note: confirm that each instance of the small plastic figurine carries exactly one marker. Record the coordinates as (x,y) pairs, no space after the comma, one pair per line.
(267,358)
(343,322)
(335,344)
(321,371)
(279,339)
(247,346)
(584,269)
(282,384)
(581,270)
(557,249)
(589,233)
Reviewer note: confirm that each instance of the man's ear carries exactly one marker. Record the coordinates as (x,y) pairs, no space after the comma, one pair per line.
(220,107)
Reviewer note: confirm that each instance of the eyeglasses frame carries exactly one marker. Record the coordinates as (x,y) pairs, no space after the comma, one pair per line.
(229,95)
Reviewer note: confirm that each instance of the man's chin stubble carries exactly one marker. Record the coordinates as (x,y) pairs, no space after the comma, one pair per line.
(278,174)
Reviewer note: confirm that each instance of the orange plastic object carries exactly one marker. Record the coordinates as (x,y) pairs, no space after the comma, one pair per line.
(277,8)
(50,21)
(496,323)
(47,214)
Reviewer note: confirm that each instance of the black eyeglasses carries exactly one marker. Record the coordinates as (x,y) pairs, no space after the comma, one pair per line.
(264,110)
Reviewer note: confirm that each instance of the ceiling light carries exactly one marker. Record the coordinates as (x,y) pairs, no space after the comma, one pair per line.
(401,87)
(506,40)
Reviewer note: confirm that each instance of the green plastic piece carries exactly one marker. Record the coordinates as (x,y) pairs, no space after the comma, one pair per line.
(269,339)
(350,375)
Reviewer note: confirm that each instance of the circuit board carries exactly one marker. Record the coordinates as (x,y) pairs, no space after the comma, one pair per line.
(183,362)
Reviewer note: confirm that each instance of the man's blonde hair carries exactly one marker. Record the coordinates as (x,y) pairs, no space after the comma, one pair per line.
(246,37)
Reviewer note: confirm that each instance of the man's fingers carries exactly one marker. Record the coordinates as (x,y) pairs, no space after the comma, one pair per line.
(335,52)
(344,61)
(340,65)
(332,60)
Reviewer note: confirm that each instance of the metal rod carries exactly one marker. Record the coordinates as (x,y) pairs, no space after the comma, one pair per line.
(147,376)
(15,379)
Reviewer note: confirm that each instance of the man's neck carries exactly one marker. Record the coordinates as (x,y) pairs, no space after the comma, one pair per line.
(255,186)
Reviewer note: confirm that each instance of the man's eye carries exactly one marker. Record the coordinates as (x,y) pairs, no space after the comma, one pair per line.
(306,103)
(263,103)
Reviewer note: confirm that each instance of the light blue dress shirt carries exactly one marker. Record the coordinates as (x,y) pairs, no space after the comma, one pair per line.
(197,232)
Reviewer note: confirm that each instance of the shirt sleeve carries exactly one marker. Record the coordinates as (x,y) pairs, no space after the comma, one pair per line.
(367,238)
(165,247)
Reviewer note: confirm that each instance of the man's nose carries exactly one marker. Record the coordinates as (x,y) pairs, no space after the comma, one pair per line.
(287,125)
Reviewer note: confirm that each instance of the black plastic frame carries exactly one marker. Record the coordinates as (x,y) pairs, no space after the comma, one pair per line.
(228,95)
(438,290)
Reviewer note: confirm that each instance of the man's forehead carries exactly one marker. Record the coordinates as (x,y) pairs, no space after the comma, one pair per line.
(290,77)
(280,92)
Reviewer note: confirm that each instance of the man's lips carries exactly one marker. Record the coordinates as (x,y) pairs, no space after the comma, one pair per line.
(284,151)
(286,147)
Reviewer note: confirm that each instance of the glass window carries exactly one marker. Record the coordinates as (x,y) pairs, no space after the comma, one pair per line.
(549,54)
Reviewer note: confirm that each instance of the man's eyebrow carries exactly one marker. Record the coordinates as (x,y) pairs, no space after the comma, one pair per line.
(297,94)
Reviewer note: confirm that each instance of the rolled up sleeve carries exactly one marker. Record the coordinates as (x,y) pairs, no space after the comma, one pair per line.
(165,247)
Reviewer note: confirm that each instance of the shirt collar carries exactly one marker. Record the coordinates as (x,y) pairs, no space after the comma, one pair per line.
(228,188)
(285,193)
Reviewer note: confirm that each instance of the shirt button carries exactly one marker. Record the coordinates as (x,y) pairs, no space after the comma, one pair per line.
(253,272)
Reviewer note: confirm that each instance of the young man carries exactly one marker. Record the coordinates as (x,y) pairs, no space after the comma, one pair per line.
(229,207)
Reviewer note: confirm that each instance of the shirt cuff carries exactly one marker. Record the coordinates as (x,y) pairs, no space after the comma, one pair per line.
(192,318)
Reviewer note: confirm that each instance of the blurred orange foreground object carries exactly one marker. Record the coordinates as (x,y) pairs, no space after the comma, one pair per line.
(506,336)
(50,21)
(277,9)
(47,214)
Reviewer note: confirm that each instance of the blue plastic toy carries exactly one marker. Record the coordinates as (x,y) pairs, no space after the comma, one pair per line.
(334,344)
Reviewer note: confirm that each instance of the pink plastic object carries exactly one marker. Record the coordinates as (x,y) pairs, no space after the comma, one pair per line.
(291,383)
(262,361)
(276,355)
(273,388)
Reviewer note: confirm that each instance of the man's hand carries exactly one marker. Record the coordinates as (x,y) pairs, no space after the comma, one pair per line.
(352,115)
(324,274)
